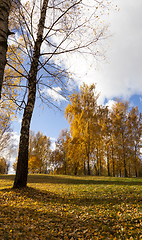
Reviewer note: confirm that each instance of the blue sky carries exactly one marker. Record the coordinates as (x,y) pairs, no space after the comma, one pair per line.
(119,76)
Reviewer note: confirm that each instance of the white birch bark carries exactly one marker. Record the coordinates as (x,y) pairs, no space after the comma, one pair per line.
(4,13)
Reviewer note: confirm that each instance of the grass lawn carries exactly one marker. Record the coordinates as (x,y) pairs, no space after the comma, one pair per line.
(68,207)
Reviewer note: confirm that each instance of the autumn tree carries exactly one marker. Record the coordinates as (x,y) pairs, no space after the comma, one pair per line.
(107,137)
(35,164)
(39,152)
(99,140)
(4,33)
(76,156)
(135,130)
(119,118)
(4,166)
(81,113)
(56,161)
(48,33)
(10,95)
(122,138)
(66,158)
(59,156)
(11,90)
(12,80)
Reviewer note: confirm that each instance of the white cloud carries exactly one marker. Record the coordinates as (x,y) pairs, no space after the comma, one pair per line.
(110,103)
(20,120)
(11,170)
(55,94)
(15,138)
(121,76)
(53,140)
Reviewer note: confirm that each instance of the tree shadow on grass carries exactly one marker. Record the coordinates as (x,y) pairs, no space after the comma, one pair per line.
(45,197)
(54,179)
(81,180)
(7,177)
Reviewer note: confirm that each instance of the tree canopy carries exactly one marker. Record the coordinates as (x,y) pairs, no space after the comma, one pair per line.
(103,140)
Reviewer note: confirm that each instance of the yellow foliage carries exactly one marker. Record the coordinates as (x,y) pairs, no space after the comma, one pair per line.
(34,164)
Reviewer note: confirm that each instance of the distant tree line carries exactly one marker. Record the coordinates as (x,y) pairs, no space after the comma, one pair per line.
(101,140)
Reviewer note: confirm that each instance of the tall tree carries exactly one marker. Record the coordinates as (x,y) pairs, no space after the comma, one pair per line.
(119,117)
(81,113)
(135,129)
(45,39)
(99,140)
(4,32)
(107,135)
(22,165)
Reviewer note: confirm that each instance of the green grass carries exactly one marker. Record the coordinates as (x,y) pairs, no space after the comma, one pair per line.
(68,207)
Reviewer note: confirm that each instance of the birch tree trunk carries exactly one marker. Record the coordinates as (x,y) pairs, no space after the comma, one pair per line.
(22,164)
(124,157)
(108,166)
(4,13)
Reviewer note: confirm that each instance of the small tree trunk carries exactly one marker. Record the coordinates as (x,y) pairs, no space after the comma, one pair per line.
(100,167)
(108,167)
(75,169)
(65,165)
(97,167)
(136,173)
(4,13)
(124,158)
(113,163)
(120,172)
(136,162)
(88,164)
(84,168)
(119,166)
(129,169)
(125,169)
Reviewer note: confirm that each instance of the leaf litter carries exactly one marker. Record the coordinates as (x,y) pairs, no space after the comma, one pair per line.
(71,208)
